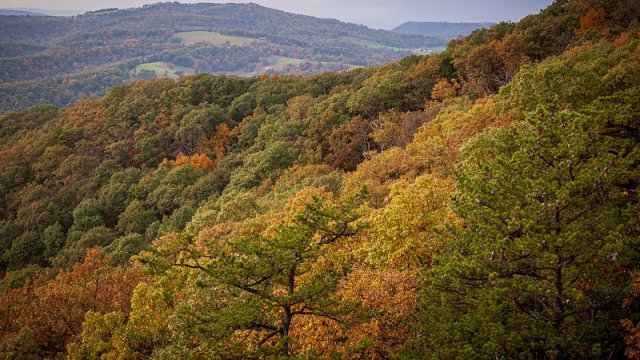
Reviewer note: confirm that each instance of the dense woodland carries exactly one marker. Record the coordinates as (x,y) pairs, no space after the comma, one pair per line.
(477,203)
(58,60)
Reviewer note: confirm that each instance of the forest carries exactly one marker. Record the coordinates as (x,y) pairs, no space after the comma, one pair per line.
(58,60)
(480,202)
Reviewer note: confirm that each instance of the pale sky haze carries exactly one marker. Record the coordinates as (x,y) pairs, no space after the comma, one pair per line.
(381,14)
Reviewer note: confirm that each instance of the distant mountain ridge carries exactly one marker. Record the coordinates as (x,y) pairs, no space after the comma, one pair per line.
(440,29)
(47,12)
(248,18)
(12,12)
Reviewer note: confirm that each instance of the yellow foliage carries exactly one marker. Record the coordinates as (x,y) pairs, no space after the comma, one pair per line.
(298,107)
(380,172)
(388,296)
(403,233)
(437,143)
(219,233)
(297,204)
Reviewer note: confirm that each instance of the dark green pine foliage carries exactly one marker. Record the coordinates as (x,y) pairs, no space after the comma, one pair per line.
(544,260)
(265,282)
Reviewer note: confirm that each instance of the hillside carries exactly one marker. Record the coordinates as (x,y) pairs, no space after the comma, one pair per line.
(477,203)
(58,60)
(439,29)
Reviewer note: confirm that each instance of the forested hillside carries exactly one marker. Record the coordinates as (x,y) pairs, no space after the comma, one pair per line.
(477,203)
(57,60)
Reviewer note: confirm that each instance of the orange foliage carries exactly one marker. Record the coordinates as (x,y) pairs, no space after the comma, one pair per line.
(593,19)
(218,142)
(622,40)
(511,54)
(46,314)
(198,161)
(443,90)
(632,340)
(388,296)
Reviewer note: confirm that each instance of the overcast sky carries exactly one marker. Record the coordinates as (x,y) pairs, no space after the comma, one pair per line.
(382,14)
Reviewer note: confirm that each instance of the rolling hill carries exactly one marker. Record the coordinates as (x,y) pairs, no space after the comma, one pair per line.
(82,56)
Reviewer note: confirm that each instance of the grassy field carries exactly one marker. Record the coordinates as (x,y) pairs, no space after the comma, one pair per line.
(375,45)
(365,43)
(193,37)
(164,69)
(281,62)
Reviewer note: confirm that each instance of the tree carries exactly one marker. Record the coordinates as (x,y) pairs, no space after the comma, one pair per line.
(218,142)
(270,280)
(53,239)
(124,247)
(79,242)
(594,19)
(404,233)
(380,172)
(542,262)
(136,218)
(88,214)
(115,194)
(262,165)
(26,249)
(348,142)
(197,161)
(443,90)
(632,338)
(41,318)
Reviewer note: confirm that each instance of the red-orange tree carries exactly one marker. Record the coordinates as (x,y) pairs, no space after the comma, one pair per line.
(43,316)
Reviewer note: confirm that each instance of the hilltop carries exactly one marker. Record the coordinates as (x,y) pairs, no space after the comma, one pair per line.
(61,59)
(12,12)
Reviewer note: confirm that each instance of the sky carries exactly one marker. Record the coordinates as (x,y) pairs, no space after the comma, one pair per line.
(379,14)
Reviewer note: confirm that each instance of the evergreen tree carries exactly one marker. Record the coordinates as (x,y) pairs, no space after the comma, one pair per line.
(546,253)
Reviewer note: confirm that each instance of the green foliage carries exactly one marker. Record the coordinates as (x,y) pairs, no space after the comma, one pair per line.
(54,239)
(17,279)
(379,94)
(124,247)
(115,194)
(26,249)
(149,151)
(540,262)
(167,186)
(8,232)
(78,243)
(268,281)
(88,214)
(263,165)
(198,125)
(575,78)
(136,218)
